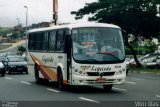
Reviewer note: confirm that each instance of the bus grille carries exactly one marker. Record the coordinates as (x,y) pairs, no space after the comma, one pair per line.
(98,74)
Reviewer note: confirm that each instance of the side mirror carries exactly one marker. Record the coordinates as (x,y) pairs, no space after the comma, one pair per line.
(3,61)
(125,37)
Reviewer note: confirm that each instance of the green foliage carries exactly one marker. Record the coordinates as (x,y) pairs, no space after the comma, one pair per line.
(16,31)
(21,49)
(5,30)
(149,47)
(138,51)
(137,17)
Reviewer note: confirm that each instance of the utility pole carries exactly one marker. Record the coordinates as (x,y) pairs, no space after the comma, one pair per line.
(55,11)
(26,16)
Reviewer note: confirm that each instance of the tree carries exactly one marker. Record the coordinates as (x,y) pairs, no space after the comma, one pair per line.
(5,30)
(21,49)
(137,17)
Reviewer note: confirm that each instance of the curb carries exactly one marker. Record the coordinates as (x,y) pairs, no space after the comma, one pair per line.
(144,72)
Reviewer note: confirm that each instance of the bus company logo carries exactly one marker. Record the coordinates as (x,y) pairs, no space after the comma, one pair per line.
(49,59)
(85,67)
(100,68)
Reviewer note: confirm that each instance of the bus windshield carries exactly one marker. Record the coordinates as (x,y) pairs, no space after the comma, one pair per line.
(98,44)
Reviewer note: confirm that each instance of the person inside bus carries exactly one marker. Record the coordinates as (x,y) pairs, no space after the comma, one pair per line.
(102,47)
(107,48)
(77,46)
(110,49)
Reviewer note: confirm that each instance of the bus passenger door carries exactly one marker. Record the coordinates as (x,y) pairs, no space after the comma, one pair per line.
(68,51)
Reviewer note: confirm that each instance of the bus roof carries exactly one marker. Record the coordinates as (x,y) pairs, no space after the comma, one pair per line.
(77,25)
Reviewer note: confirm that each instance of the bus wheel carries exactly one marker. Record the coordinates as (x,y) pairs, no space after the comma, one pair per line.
(36,72)
(3,74)
(127,72)
(107,87)
(9,72)
(60,80)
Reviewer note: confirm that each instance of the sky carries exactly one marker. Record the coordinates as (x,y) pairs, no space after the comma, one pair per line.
(38,11)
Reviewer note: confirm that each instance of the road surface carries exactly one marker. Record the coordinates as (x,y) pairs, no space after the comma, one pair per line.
(22,87)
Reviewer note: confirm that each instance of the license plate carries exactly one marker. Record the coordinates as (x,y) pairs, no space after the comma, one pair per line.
(101,79)
(19,69)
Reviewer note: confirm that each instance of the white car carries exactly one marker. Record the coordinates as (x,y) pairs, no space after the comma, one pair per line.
(2,69)
(149,62)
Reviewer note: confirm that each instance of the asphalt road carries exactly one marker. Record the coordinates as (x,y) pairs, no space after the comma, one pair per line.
(22,87)
(15,46)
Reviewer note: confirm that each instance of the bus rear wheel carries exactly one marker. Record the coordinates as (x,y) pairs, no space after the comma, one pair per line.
(36,72)
(3,74)
(127,72)
(108,87)
(60,80)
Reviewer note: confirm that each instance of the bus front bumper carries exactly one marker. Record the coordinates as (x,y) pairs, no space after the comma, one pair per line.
(96,80)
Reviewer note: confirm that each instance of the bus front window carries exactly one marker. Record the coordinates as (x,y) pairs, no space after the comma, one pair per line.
(98,44)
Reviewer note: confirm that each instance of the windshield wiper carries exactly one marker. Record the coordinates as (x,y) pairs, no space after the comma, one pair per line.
(111,54)
(91,60)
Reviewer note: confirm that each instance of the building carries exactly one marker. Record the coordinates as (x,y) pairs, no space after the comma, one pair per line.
(40,25)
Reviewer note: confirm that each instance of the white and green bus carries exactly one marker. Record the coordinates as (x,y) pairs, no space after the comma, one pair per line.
(78,54)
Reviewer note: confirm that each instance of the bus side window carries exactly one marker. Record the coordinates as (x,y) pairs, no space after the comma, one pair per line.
(38,41)
(52,41)
(60,41)
(32,38)
(45,41)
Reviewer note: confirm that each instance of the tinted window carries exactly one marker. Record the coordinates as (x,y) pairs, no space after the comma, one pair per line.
(52,40)
(32,38)
(45,41)
(60,41)
(38,42)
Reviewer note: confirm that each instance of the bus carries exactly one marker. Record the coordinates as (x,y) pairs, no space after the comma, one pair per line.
(78,54)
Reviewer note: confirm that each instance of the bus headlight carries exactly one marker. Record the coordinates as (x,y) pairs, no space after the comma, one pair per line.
(77,72)
(123,70)
(80,72)
(120,71)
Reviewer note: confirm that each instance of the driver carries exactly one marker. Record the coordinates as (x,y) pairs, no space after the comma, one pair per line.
(77,46)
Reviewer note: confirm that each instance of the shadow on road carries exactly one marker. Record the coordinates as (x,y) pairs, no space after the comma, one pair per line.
(78,89)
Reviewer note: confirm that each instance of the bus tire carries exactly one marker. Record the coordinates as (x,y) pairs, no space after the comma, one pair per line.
(127,72)
(9,72)
(36,72)
(3,74)
(108,87)
(26,71)
(60,80)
